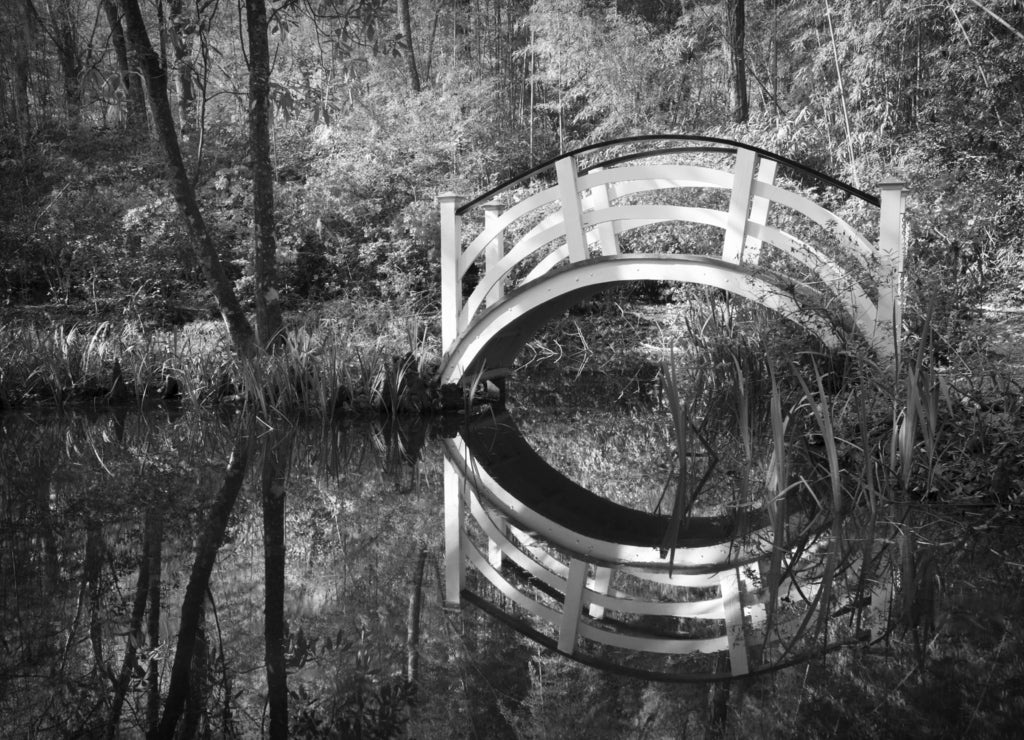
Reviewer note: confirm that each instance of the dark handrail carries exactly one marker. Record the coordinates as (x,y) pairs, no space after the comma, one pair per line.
(723,145)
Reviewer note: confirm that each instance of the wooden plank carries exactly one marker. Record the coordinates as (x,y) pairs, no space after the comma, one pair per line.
(739,206)
(572,210)
(730,583)
(759,211)
(602,581)
(607,239)
(495,250)
(451,280)
(454,562)
(572,605)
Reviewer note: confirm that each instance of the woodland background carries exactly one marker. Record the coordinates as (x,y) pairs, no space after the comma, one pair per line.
(359,112)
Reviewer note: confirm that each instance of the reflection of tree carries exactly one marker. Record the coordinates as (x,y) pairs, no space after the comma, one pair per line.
(276,455)
(210,541)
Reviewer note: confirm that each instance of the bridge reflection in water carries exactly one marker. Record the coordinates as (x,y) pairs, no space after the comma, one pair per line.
(637,592)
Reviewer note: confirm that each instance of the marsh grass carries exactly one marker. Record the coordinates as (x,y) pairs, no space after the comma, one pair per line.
(327,363)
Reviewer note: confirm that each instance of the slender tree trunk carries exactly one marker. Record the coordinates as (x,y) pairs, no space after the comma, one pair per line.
(21,45)
(66,45)
(134,640)
(184,194)
(195,704)
(412,638)
(92,572)
(210,541)
(184,70)
(405,20)
(276,454)
(154,558)
(268,304)
(735,38)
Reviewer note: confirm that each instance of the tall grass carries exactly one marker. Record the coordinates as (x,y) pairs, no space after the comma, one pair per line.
(320,369)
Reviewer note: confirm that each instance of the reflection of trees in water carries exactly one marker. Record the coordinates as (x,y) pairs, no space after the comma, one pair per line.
(140,607)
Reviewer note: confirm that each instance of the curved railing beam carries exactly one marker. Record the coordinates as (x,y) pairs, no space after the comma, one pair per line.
(720,143)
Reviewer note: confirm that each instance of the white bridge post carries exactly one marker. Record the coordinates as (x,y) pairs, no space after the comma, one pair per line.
(451,279)
(495,251)
(454,560)
(891,249)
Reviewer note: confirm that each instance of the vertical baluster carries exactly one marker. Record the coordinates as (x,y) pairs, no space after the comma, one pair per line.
(495,251)
(732,603)
(454,508)
(759,211)
(572,605)
(572,211)
(739,206)
(890,257)
(451,279)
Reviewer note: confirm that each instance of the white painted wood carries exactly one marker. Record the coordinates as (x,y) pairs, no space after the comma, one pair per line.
(640,178)
(856,244)
(494,545)
(494,252)
(624,268)
(454,562)
(479,561)
(663,645)
(572,211)
(606,237)
(759,207)
(739,206)
(572,606)
(451,280)
(507,218)
(735,632)
(602,582)
(890,253)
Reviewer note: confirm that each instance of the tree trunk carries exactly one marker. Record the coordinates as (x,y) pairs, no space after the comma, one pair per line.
(735,38)
(21,45)
(276,453)
(134,94)
(198,583)
(181,45)
(66,44)
(184,194)
(134,640)
(154,558)
(412,639)
(410,58)
(268,304)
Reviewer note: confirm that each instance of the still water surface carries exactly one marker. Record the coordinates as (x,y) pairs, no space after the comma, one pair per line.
(103,514)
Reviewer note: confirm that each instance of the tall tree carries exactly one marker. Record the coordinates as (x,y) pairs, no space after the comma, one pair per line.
(268,304)
(405,20)
(152,69)
(21,43)
(735,39)
(181,29)
(62,27)
(134,94)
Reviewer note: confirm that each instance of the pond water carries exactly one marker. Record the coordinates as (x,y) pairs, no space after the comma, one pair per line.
(110,516)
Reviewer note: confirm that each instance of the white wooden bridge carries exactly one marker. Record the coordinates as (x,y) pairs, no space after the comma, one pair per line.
(592,579)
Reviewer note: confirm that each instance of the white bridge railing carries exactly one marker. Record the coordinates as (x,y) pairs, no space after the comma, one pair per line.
(757,235)
(585,215)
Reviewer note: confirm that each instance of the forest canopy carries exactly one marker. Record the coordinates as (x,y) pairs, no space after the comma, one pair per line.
(375,107)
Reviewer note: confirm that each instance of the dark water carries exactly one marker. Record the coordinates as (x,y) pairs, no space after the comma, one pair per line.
(105,516)
(108,518)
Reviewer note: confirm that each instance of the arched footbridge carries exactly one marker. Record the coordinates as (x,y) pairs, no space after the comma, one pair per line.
(588,577)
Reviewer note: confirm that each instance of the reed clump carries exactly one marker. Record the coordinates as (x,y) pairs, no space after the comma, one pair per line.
(327,363)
